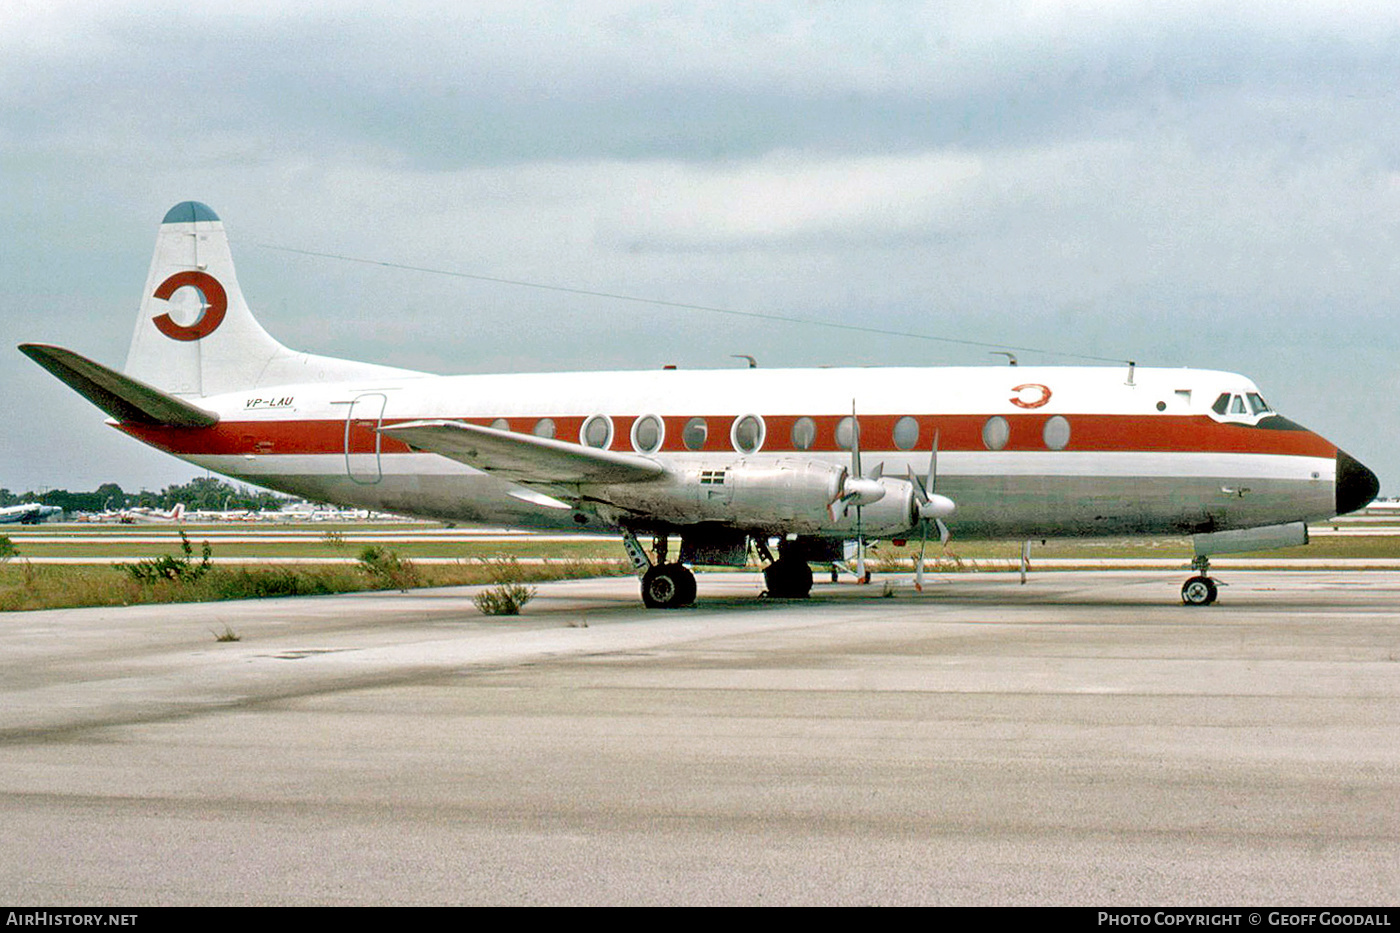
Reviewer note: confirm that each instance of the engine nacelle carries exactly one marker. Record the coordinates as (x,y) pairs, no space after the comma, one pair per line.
(891,515)
(783,496)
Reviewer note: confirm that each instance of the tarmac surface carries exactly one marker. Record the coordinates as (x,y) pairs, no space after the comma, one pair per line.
(1082,739)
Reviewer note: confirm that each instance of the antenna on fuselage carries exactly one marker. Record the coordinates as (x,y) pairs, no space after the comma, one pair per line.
(1010,357)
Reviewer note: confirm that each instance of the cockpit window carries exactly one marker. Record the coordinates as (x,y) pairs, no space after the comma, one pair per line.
(1242,404)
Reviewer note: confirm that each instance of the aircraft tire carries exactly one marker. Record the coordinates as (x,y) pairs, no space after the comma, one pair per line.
(668,586)
(1199,591)
(787,578)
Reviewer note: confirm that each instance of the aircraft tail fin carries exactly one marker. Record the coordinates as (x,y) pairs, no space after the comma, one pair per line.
(195,334)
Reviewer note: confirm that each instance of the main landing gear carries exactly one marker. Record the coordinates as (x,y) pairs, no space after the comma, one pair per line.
(1200,590)
(788,577)
(668,586)
(664,586)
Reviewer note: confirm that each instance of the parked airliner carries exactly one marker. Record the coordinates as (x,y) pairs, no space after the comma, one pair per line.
(811,458)
(29,513)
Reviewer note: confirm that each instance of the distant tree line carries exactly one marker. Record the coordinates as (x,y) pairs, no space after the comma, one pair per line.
(203,493)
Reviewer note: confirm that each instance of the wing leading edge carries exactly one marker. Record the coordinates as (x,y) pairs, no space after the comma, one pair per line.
(525,458)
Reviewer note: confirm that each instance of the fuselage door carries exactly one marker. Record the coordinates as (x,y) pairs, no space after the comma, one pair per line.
(362,438)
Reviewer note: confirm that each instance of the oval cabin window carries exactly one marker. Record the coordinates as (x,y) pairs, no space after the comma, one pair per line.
(906,433)
(995,433)
(597,431)
(846,431)
(747,434)
(804,433)
(647,434)
(695,433)
(1056,433)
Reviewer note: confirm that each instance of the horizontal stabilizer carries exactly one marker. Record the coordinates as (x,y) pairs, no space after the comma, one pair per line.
(524,458)
(126,399)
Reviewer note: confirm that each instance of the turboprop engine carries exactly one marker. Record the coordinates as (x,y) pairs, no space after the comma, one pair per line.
(788,495)
(889,507)
(785,496)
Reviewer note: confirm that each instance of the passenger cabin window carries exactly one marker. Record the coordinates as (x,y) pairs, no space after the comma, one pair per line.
(747,434)
(647,434)
(906,433)
(597,431)
(846,431)
(804,433)
(996,432)
(544,428)
(1056,433)
(694,434)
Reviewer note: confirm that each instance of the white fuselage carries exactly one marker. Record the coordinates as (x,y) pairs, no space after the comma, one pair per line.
(1024,452)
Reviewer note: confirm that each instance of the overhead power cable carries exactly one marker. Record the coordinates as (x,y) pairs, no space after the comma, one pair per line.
(683,306)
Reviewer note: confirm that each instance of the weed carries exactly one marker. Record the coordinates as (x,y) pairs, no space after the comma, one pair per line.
(503,599)
(387,570)
(891,563)
(7,549)
(227,634)
(260,584)
(508,595)
(167,567)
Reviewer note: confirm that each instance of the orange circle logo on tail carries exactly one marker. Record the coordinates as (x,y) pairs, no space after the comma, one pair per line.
(1018,399)
(212,315)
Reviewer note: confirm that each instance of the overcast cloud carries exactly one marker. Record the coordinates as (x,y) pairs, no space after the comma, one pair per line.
(1184,184)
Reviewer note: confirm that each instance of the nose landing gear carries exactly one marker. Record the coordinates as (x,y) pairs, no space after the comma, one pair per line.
(1200,590)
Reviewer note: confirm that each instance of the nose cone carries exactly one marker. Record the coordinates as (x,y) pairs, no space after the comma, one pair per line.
(1356,485)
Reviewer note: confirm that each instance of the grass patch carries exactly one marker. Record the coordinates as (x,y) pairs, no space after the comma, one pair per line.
(387,570)
(509,595)
(25,586)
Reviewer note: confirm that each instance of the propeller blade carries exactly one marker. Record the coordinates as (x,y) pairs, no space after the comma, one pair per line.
(855,441)
(920,496)
(933,466)
(919,564)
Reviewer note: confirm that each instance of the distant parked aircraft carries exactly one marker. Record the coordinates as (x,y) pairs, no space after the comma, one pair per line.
(31,513)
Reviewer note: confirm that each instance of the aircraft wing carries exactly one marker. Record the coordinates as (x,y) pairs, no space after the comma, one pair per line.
(525,458)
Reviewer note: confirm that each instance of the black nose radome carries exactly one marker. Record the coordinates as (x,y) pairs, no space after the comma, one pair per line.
(1356,485)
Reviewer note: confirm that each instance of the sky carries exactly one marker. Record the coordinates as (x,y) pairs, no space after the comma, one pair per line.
(1203,184)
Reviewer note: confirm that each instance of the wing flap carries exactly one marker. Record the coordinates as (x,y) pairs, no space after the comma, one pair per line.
(524,458)
(122,397)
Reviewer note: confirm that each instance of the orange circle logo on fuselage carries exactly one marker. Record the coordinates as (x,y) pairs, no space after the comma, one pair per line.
(1020,401)
(212,315)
